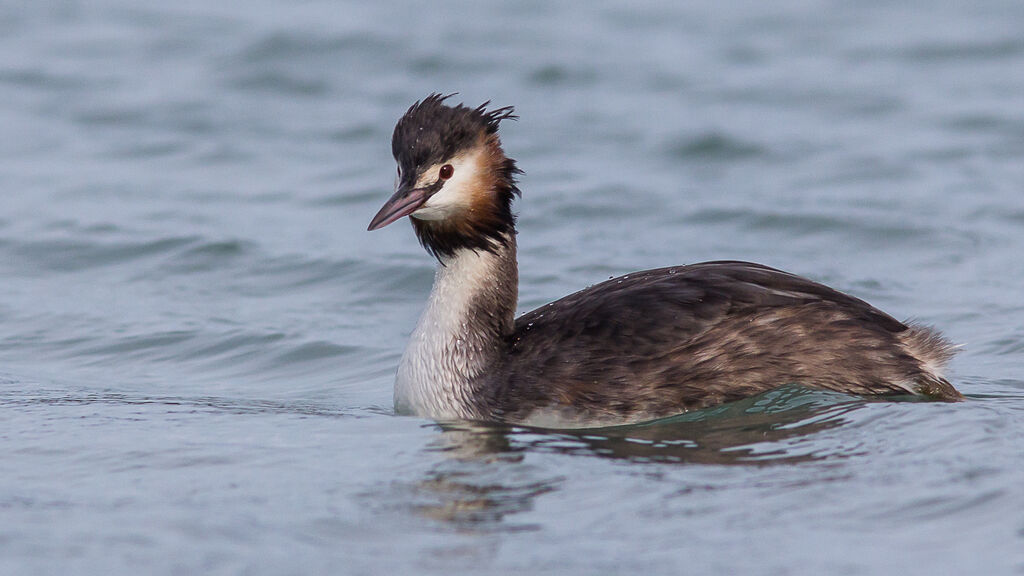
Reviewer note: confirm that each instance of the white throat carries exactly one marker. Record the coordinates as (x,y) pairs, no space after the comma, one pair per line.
(456,341)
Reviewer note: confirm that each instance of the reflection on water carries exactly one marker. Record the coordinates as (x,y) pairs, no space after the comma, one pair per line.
(750,431)
(469,505)
(488,475)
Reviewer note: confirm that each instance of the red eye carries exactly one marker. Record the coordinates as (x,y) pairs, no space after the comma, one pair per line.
(446,172)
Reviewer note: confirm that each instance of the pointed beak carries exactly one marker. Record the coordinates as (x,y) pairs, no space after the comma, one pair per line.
(405,201)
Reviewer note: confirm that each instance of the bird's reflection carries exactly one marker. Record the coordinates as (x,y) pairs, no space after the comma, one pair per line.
(488,474)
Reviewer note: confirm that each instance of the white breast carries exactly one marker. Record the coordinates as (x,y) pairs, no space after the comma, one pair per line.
(443,355)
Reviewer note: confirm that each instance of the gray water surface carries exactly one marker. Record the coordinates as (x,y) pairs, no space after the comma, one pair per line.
(198,338)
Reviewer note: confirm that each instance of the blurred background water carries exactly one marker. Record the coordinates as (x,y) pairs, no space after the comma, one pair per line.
(198,337)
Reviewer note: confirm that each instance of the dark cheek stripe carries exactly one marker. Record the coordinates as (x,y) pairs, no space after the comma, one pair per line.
(433,188)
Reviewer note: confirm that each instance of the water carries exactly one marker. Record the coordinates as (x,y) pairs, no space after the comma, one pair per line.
(198,337)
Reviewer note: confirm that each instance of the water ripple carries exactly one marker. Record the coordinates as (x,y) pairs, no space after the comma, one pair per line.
(68,256)
(992,49)
(287,46)
(42,398)
(793,222)
(715,146)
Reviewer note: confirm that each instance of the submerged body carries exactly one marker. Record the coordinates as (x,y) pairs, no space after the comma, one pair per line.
(647,345)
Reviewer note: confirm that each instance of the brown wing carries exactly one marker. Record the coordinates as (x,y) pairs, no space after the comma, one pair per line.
(661,341)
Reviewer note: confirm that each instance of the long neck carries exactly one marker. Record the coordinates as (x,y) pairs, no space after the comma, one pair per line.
(461,334)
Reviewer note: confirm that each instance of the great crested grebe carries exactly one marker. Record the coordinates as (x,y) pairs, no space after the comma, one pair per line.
(636,348)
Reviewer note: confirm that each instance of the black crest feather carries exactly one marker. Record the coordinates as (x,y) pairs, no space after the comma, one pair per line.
(431,131)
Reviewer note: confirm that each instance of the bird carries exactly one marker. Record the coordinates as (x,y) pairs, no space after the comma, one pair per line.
(641,347)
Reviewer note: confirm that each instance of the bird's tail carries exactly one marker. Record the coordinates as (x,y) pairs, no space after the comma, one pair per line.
(933,352)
